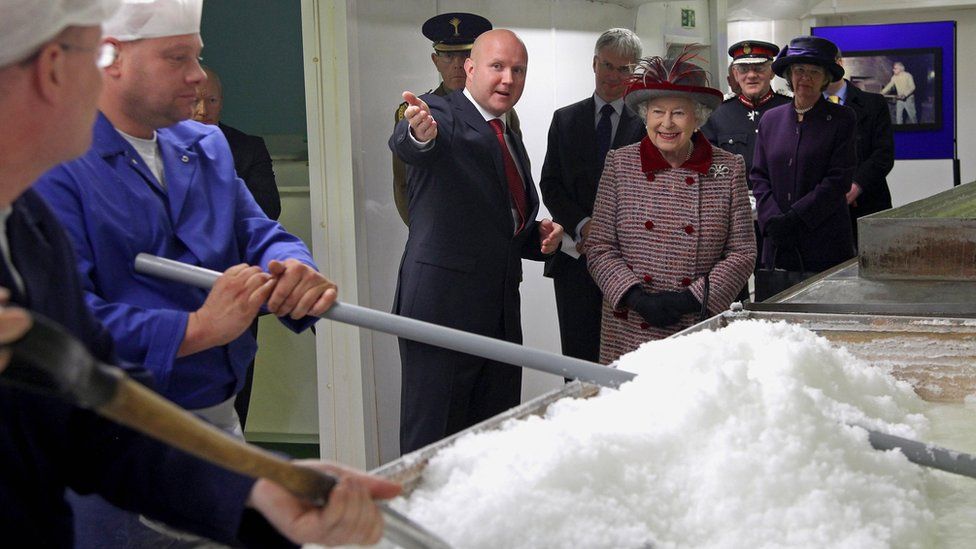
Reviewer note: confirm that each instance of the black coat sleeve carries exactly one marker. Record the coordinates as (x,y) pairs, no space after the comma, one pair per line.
(878,138)
(554,183)
(259,177)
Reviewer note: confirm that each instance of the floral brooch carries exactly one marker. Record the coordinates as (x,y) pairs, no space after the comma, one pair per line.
(718,170)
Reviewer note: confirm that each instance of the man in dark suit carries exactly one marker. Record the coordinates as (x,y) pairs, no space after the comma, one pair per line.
(251,158)
(472,219)
(875,148)
(252,162)
(579,137)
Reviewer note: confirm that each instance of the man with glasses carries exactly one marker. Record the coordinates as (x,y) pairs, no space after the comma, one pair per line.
(452,35)
(49,89)
(734,123)
(154,182)
(579,137)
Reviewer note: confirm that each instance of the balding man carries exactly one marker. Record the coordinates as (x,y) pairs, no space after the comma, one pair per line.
(154,182)
(50,56)
(251,158)
(451,35)
(473,207)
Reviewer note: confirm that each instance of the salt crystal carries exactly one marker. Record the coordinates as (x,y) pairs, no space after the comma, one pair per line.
(735,438)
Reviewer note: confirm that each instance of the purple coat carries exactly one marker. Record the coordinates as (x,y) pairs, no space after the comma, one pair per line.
(807,167)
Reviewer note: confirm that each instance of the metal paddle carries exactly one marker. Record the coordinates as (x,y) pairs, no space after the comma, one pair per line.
(49,361)
(917,452)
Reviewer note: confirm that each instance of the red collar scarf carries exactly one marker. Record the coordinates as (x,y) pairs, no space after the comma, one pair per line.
(700,161)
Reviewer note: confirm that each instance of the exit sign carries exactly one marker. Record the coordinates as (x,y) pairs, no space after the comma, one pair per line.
(688,18)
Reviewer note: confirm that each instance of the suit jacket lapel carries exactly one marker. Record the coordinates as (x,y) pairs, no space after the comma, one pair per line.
(522,157)
(497,194)
(583,130)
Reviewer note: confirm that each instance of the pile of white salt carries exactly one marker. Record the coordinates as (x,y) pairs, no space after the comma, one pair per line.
(736,438)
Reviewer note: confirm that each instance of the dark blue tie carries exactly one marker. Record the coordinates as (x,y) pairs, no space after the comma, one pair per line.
(604,130)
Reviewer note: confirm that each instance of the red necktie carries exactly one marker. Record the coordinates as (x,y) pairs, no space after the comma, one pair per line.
(515,186)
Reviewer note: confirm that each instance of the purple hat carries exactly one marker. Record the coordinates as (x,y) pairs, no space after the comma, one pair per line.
(810,50)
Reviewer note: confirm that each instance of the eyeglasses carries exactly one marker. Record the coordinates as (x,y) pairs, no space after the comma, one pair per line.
(800,71)
(460,55)
(623,70)
(745,68)
(105,53)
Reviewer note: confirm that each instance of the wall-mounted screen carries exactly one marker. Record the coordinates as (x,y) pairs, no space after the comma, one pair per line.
(909,79)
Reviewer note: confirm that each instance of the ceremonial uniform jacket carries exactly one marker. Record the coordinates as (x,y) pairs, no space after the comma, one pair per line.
(733,125)
(47,445)
(666,229)
(807,167)
(113,208)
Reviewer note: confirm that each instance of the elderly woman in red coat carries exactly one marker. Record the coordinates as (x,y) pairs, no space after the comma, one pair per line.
(672,235)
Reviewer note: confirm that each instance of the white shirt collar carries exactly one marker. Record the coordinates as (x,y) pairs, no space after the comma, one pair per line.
(487,115)
(617,104)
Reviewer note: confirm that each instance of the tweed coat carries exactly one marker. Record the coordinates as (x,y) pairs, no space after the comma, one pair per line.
(665,229)
(807,167)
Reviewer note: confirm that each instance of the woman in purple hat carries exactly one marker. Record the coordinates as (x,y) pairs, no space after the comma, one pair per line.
(671,236)
(803,164)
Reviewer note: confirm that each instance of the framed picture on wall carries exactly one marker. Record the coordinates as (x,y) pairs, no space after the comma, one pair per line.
(909,79)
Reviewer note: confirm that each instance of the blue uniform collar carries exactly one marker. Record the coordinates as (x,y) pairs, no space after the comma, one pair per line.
(107,141)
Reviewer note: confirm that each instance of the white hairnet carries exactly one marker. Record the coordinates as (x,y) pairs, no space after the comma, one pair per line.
(138,19)
(27,24)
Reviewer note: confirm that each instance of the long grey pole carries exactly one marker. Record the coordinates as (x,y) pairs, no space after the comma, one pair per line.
(415,330)
(503,351)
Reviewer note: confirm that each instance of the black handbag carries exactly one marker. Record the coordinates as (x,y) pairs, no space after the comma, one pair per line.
(770,282)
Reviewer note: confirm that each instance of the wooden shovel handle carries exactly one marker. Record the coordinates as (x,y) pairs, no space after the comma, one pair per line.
(145,411)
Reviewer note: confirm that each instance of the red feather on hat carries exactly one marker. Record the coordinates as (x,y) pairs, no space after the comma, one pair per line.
(679,70)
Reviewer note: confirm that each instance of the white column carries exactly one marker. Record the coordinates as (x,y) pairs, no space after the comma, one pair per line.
(342,428)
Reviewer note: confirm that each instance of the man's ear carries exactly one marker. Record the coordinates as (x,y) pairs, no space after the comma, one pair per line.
(114,69)
(50,76)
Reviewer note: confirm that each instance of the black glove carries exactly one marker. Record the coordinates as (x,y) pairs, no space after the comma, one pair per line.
(661,309)
(784,230)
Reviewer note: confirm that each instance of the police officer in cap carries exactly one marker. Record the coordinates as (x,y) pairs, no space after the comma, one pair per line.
(734,123)
(452,35)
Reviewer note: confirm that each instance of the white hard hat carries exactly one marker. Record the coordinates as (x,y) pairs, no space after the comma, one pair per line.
(27,24)
(138,19)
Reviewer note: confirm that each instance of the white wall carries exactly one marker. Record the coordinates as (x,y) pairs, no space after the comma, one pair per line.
(388,54)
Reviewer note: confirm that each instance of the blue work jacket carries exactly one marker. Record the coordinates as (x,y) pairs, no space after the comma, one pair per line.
(114,208)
